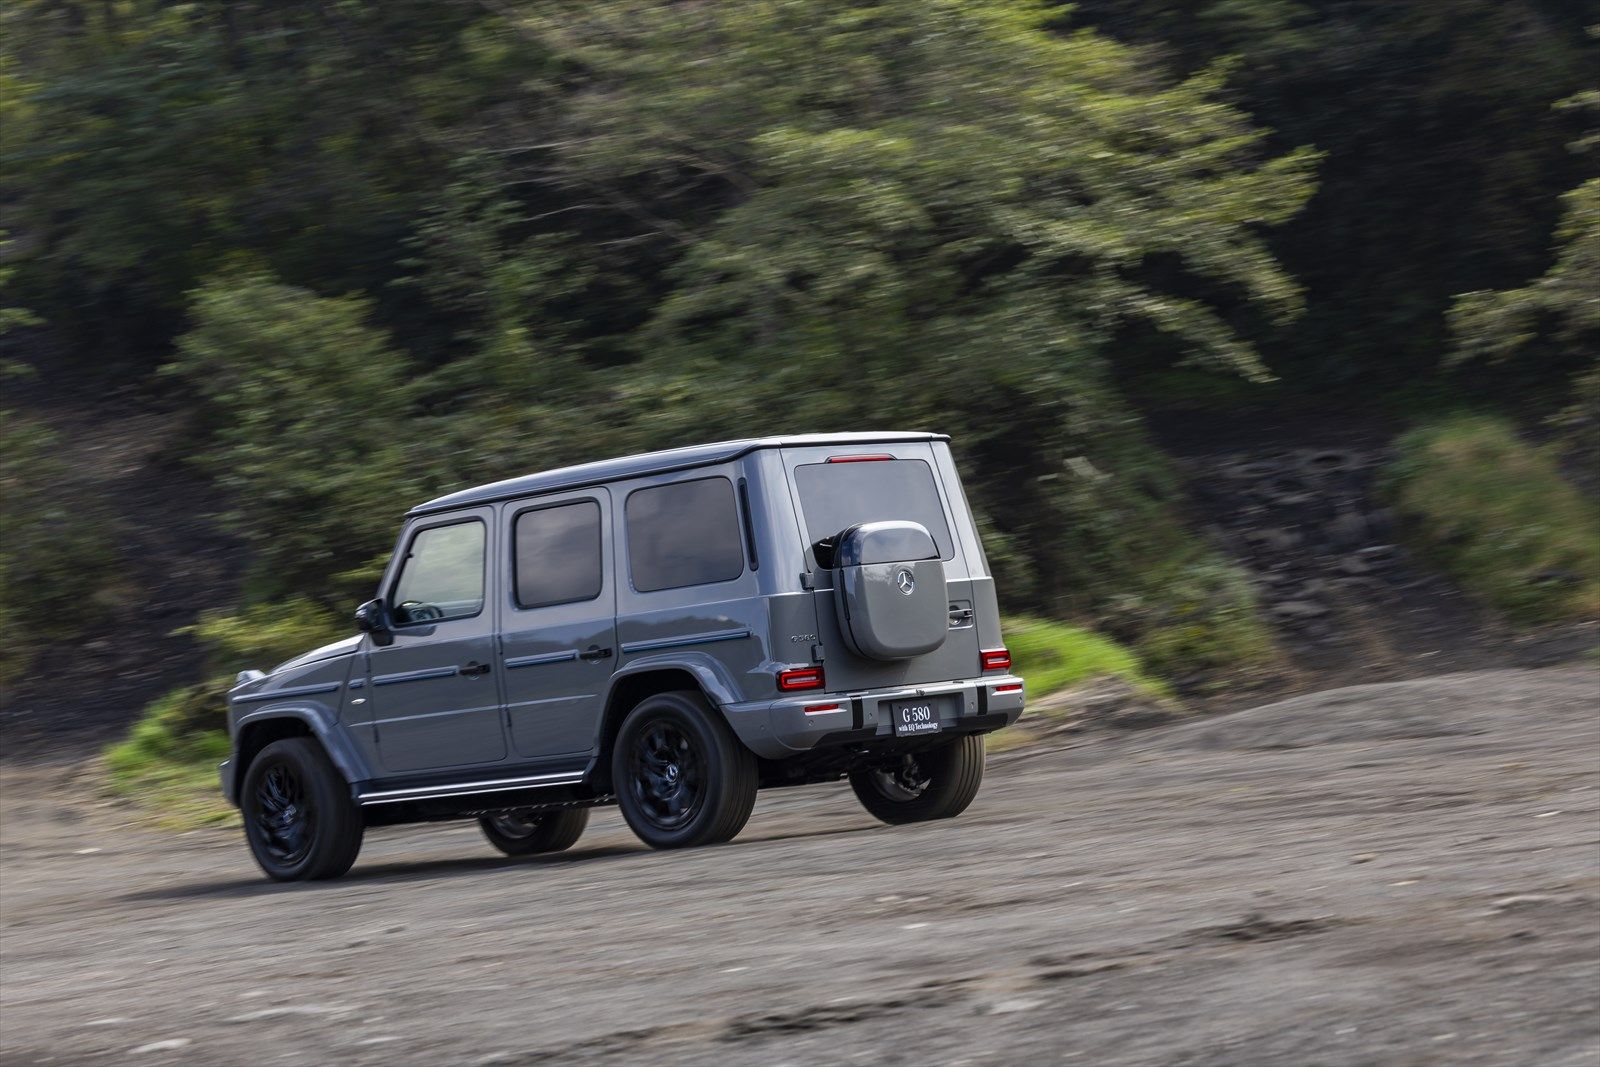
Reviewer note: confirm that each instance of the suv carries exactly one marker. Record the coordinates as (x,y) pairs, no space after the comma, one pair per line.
(669,632)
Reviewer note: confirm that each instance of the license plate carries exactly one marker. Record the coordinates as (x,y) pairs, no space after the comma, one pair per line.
(916,716)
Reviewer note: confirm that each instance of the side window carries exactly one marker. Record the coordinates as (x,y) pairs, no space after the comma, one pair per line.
(442,576)
(686,533)
(557,554)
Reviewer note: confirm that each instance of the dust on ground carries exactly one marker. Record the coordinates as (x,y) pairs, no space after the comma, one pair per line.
(1396,873)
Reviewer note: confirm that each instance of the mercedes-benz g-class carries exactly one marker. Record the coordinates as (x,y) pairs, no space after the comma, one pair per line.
(668,632)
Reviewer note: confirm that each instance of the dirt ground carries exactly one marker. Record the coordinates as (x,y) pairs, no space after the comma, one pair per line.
(1397,873)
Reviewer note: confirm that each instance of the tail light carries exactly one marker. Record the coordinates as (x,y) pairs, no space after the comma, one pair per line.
(994,659)
(800,678)
(857,459)
(821,709)
(1014,687)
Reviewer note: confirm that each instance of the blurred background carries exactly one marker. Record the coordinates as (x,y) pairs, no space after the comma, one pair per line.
(1266,330)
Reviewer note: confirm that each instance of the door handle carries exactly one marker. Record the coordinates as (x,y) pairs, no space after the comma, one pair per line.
(594,652)
(473,668)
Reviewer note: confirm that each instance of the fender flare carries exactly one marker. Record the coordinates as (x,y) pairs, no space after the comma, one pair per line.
(343,757)
(714,678)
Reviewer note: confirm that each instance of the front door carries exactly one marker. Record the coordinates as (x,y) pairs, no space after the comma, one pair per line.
(558,628)
(435,687)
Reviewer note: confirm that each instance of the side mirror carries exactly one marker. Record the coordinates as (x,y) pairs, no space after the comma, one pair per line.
(372,619)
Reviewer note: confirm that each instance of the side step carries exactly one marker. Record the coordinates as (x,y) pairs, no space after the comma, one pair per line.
(471,788)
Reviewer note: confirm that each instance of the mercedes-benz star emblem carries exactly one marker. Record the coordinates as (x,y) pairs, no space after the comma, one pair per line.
(904,582)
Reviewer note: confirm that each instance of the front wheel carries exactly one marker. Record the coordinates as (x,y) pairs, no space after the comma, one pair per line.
(681,777)
(298,815)
(937,783)
(528,833)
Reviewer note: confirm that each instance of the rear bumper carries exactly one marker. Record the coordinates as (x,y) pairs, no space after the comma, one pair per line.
(774,729)
(225,775)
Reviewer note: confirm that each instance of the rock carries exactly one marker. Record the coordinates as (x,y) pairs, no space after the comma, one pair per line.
(1321,463)
(1114,704)
(1105,703)
(1347,529)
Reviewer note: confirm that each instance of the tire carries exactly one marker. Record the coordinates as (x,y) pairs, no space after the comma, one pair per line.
(681,778)
(530,833)
(936,783)
(298,816)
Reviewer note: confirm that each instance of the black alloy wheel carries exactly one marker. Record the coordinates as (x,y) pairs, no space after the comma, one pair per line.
(528,833)
(285,822)
(299,818)
(666,774)
(932,783)
(681,777)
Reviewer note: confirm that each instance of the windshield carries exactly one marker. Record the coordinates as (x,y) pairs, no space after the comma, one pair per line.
(834,496)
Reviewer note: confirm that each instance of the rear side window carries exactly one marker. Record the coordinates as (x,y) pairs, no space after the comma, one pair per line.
(834,496)
(557,554)
(686,533)
(442,576)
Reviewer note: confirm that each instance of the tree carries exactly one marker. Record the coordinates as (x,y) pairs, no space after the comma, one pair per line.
(934,214)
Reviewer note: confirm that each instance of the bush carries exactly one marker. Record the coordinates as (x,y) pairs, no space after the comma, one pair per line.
(168,763)
(57,570)
(311,429)
(168,766)
(1496,513)
(1054,656)
(1194,617)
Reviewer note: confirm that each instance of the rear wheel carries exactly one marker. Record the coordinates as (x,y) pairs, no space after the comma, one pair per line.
(681,777)
(298,815)
(937,783)
(527,833)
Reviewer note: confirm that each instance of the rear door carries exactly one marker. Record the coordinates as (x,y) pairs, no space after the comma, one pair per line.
(434,690)
(836,487)
(558,622)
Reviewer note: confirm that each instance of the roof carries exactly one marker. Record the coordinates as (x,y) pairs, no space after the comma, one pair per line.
(647,463)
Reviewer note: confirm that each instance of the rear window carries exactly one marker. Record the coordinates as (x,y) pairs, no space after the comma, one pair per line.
(686,533)
(834,496)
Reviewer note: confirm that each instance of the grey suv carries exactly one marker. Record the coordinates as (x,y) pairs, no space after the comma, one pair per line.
(669,632)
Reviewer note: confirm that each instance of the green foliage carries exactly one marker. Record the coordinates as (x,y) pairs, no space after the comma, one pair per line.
(312,425)
(1444,158)
(168,762)
(1560,308)
(146,145)
(58,572)
(812,213)
(941,211)
(263,635)
(1554,319)
(168,766)
(1498,515)
(1191,618)
(1053,656)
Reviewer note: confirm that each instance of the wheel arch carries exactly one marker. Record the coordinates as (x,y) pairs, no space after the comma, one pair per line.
(260,729)
(637,683)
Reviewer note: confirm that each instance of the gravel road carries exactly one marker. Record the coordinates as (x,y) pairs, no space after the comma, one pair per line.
(1398,873)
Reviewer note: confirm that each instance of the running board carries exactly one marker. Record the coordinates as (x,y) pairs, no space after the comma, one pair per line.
(462,789)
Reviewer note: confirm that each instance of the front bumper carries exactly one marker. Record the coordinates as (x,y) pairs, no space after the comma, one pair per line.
(774,729)
(225,773)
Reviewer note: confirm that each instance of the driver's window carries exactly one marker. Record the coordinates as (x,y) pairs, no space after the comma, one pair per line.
(442,576)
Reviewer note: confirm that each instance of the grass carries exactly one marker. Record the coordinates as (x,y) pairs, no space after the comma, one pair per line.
(1053,656)
(1496,514)
(168,769)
